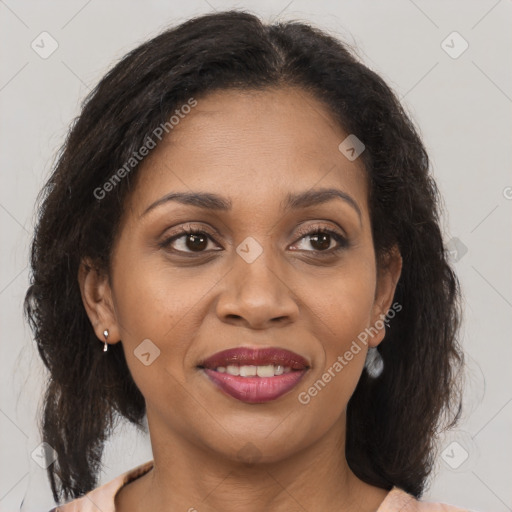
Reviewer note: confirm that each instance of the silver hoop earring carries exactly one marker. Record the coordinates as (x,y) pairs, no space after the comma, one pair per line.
(105,333)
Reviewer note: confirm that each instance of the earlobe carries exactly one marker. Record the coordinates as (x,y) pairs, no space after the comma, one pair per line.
(97,299)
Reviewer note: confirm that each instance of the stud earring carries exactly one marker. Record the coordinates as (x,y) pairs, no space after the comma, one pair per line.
(105,333)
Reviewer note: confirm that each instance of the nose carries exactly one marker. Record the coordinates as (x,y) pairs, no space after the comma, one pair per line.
(257,296)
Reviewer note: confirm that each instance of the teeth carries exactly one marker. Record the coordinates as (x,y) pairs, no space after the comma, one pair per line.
(233,369)
(268,370)
(265,371)
(247,371)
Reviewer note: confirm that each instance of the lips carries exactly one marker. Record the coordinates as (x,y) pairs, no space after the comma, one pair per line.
(255,375)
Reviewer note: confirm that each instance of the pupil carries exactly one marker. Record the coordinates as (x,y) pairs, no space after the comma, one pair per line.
(324,243)
(194,246)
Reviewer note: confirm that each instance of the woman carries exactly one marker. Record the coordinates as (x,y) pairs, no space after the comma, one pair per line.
(243,216)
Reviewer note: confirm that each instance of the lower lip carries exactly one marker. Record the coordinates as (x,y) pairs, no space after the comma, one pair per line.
(255,390)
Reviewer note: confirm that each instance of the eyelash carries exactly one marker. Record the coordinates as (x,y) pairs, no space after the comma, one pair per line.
(343,243)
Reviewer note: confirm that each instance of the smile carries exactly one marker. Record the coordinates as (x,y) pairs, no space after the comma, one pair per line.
(255,375)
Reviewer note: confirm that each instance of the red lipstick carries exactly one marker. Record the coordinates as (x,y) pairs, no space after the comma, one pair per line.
(255,375)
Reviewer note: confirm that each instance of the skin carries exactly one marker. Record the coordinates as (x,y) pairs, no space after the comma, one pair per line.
(253,148)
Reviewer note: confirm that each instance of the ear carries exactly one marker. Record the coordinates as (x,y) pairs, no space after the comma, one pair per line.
(388,274)
(97,299)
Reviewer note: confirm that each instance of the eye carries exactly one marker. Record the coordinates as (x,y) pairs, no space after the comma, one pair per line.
(188,240)
(323,240)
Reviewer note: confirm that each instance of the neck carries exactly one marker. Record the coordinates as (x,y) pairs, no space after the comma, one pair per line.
(192,478)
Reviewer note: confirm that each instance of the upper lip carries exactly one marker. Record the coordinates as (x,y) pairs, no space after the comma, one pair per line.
(256,357)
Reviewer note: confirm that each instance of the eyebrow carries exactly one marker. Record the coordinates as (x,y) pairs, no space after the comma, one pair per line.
(209,201)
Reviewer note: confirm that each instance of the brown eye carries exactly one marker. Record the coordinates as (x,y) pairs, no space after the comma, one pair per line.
(188,241)
(196,242)
(320,241)
(323,241)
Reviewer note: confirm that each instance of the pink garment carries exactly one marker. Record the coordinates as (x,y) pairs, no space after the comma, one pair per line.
(102,498)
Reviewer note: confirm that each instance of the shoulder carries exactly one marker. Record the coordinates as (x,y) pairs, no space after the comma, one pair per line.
(103,497)
(398,499)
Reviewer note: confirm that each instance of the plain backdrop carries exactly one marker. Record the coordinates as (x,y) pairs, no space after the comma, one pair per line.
(459,97)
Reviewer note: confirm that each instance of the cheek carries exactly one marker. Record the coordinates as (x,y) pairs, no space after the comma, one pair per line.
(154,303)
(342,309)
(152,297)
(341,300)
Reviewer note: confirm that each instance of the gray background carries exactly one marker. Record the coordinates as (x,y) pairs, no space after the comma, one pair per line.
(462,106)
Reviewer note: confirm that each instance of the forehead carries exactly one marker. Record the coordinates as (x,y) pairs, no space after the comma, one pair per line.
(254,147)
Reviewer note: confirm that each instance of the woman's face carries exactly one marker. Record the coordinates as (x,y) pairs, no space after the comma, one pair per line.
(258,276)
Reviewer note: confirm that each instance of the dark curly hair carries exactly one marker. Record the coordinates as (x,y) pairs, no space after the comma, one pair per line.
(392,420)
